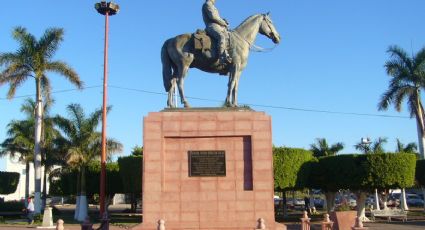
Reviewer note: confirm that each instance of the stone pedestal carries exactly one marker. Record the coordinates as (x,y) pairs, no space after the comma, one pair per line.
(235,200)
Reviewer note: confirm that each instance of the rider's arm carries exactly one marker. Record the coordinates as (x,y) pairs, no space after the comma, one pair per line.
(213,14)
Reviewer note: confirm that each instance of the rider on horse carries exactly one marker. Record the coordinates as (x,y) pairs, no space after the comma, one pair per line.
(217,28)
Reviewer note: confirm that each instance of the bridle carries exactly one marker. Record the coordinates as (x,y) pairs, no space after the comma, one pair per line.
(252,46)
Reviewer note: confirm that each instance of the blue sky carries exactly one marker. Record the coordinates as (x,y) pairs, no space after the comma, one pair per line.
(330,59)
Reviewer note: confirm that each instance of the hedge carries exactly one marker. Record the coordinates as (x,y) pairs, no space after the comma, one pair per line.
(67,183)
(420,172)
(8,182)
(292,168)
(131,173)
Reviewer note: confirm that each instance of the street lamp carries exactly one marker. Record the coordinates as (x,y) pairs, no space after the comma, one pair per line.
(105,8)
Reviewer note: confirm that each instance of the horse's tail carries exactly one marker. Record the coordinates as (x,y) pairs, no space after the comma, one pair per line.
(167,71)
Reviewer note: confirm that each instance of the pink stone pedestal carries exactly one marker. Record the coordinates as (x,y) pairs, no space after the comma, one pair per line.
(234,201)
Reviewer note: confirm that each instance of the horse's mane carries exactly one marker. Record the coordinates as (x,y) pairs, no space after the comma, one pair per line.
(244,22)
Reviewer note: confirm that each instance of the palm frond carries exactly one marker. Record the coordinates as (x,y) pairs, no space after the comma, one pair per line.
(63,69)
(46,89)
(24,38)
(397,52)
(8,58)
(16,81)
(28,107)
(49,42)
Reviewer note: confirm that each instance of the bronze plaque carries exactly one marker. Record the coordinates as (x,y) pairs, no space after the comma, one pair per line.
(207,163)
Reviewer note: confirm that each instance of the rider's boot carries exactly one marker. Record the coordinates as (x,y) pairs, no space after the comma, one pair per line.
(225,58)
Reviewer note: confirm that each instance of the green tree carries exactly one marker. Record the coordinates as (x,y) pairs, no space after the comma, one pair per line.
(292,167)
(33,59)
(82,144)
(137,151)
(407,78)
(321,148)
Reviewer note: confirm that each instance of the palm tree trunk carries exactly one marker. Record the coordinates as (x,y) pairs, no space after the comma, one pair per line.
(27,182)
(421,139)
(37,149)
(420,125)
(78,191)
(44,188)
(83,209)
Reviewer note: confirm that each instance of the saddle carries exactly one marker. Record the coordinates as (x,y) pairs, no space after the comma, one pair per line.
(206,46)
(202,42)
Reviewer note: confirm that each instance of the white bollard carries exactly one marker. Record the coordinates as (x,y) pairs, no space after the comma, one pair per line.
(161,224)
(261,224)
(59,225)
(47,217)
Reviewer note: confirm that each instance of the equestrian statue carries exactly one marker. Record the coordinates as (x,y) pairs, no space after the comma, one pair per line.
(215,50)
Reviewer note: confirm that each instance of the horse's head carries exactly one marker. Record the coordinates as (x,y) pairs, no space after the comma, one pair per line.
(267,28)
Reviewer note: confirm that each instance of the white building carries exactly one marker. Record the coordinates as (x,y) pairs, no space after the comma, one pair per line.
(13,165)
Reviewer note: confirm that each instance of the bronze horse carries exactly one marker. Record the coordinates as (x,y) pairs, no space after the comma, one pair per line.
(178,55)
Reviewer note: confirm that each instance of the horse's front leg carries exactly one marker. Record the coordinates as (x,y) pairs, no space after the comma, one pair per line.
(230,88)
(235,88)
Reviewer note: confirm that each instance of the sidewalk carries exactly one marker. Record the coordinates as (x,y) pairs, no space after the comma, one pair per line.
(372,226)
(376,226)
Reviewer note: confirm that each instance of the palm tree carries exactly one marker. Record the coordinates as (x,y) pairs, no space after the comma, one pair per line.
(20,143)
(407,78)
(321,148)
(409,148)
(368,147)
(83,145)
(33,59)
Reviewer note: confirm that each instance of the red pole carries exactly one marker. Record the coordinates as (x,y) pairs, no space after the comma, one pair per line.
(105,96)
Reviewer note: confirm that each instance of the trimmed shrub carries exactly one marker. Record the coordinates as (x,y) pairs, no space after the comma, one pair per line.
(364,172)
(8,182)
(12,206)
(420,172)
(131,175)
(292,168)
(339,172)
(389,170)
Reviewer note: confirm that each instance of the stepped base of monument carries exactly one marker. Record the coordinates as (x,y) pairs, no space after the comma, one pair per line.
(217,226)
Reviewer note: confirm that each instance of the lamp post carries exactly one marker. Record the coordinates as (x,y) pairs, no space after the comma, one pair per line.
(107,9)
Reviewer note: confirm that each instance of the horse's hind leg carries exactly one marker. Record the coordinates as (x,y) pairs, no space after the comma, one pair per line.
(171,102)
(180,82)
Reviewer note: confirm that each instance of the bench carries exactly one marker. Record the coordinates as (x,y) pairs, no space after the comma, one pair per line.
(389,213)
